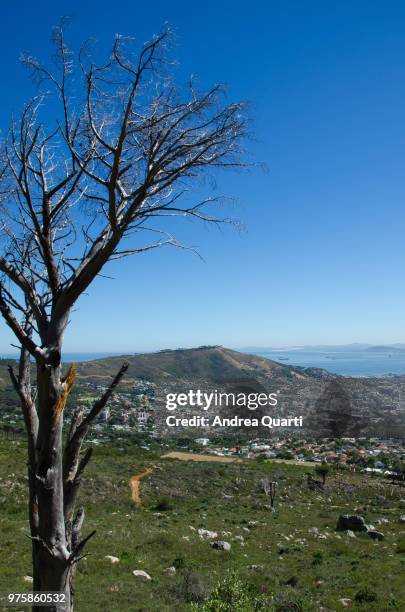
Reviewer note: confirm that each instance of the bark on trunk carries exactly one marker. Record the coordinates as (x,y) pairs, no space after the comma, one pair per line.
(54,473)
(52,557)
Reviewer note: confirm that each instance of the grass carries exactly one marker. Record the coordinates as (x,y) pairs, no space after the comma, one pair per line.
(282,562)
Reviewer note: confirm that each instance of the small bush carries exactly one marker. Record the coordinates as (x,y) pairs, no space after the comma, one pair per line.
(125,554)
(317,558)
(365,595)
(401,547)
(164,505)
(179,563)
(232,595)
(287,603)
(193,589)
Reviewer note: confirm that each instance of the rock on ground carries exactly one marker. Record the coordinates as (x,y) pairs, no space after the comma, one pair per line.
(221,545)
(208,535)
(345,601)
(375,535)
(141,574)
(28,579)
(349,523)
(353,522)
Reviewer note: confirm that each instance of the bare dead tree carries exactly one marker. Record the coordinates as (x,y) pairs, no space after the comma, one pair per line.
(100,154)
(270,489)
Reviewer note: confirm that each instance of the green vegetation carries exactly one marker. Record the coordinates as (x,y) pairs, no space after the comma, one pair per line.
(231,595)
(291,559)
(323,470)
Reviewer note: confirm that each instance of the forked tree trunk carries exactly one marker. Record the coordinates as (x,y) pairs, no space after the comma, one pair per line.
(52,558)
(54,474)
(55,469)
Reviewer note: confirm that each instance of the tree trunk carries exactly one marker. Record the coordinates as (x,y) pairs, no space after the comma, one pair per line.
(33,511)
(54,473)
(52,558)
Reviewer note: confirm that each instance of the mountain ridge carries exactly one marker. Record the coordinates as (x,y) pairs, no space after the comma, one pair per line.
(216,364)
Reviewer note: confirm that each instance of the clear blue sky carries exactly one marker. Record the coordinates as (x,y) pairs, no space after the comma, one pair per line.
(322,259)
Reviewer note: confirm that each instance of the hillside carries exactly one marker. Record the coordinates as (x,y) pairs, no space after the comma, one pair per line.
(214,364)
(290,560)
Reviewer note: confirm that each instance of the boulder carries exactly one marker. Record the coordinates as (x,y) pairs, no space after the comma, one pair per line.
(350,533)
(221,545)
(345,602)
(170,571)
(113,559)
(375,535)
(141,574)
(352,522)
(239,538)
(402,518)
(206,534)
(28,579)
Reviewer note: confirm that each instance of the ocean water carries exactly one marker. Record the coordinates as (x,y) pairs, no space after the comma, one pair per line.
(350,363)
(77,357)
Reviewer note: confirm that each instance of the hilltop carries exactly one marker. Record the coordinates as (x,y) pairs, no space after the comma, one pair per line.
(214,364)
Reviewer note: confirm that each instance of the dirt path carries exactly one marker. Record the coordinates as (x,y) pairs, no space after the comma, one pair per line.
(194,457)
(183,456)
(134,481)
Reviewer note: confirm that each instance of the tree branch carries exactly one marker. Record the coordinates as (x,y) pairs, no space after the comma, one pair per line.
(12,322)
(73,466)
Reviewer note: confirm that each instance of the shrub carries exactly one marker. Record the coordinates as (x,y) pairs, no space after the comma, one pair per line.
(287,603)
(179,563)
(401,547)
(365,595)
(164,505)
(232,595)
(317,558)
(193,589)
